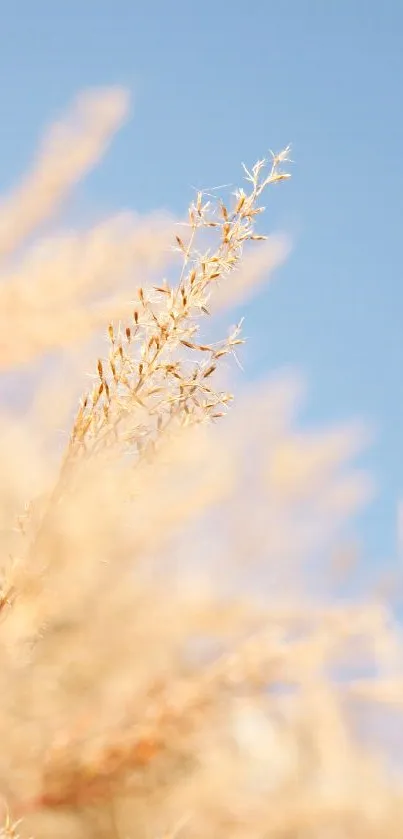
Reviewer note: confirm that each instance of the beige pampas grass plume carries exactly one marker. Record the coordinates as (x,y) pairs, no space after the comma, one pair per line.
(167,665)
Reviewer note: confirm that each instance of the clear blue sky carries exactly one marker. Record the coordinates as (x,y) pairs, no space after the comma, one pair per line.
(216,83)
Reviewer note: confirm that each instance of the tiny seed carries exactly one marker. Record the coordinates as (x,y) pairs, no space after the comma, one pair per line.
(209,371)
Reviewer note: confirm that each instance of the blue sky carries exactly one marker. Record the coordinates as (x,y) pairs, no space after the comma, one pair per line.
(215,84)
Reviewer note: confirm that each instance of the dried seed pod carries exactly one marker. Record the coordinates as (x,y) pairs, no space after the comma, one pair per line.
(241,202)
(209,371)
(180,243)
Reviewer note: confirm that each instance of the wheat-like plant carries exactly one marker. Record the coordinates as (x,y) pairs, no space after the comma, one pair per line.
(157,374)
(143,369)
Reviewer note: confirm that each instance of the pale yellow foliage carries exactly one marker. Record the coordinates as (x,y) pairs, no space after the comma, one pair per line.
(70,148)
(168,655)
